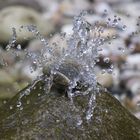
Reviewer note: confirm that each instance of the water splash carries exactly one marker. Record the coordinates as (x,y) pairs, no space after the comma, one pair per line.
(83,48)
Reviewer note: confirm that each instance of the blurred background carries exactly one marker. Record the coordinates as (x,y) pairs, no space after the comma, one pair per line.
(119,67)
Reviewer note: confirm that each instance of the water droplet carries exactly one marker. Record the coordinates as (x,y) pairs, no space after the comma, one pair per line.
(31,69)
(19,47)
(11,107)
(34,62)
(109,19)
(110,71)
(8,47)
(19,104)
(124,27)
(121,49)
(79,122)
(106,59)
(106,111)
(57,121)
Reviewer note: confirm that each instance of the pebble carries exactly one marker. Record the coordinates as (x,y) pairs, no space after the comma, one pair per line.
(28,3)
(17,16)
(35,46)
(67,29)
(102,8)
(58,43)
(105,79)
(133,61)
(5,78)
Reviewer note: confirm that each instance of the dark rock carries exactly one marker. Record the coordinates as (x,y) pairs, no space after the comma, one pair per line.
(39,115)
(44,111)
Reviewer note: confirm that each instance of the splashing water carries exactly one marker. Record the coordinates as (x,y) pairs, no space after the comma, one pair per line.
(82,49)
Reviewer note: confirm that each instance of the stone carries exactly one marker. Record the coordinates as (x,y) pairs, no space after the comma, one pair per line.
(133,84)
(101,7)
(105,79)
(7,58)
(17,16)
(133,44)
(35,46)
(37,113)
(45,116)
(137,115)
(130,76)
(58,43)
(67,29)
(133,61)
(28,3)
(11,81)
(130,80)
(5,78)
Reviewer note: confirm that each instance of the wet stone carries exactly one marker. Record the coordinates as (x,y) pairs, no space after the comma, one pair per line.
(40,117)
(43,110)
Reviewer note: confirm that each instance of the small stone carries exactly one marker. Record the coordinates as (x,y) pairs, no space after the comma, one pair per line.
(105,79)
(35,46)
(58,43)
(17,16)
(102,8)
(29,3)
(5,78)
(133,61)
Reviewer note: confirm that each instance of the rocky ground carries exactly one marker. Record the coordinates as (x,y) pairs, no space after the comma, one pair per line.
(120,51)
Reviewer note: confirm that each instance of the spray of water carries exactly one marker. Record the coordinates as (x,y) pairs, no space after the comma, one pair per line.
(82,49)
